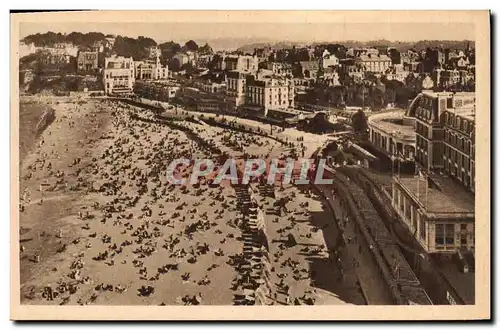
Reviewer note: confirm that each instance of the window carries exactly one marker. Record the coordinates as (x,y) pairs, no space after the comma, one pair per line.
(463,226)
(463,239)
(439,234)
(407,209)
(422,227)
(449,234)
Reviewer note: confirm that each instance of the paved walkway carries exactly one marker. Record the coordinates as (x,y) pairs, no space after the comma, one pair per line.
(372,283)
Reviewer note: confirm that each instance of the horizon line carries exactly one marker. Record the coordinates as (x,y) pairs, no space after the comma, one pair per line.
(264,39)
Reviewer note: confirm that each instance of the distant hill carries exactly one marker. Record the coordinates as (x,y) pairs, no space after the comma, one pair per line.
(231,44)
(400,45)
(137,47)
(274,45)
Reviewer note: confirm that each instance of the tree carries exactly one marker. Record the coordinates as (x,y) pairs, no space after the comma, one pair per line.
(50,38)
(191,46)
(213,64)
(174,65)
(206,50)
(169,49)
(135,48)
(359,122)
(188,67)
(146,42)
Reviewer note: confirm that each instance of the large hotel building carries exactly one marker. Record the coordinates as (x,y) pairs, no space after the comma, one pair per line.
(459,145)
(437,205)
(118,77)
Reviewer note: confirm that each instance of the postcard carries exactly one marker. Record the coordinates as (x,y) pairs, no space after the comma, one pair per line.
(250,165)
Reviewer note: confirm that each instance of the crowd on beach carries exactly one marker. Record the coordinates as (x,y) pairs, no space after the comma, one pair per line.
(135,235)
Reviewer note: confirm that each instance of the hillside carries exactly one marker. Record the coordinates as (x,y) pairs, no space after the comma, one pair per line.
(400,45)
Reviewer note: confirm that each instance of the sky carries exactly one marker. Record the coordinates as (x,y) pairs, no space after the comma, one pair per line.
(181,32)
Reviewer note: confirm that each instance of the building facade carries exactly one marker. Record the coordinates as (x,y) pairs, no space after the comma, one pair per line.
(429,108)
(155,90)
(437,229)
(459,146)
(66,48)
(150,70)
(235,90)
(397,72)
(308,69)
(434,205)
(328,60)
(87,62)
(269,93)
(278,68)
(119,75)
(211,87)
(203,61)
(374,63)
(395,138)
(182,59)
(243,63)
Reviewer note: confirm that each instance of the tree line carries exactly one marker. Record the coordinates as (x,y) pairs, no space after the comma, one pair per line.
(137,48)
(50,38)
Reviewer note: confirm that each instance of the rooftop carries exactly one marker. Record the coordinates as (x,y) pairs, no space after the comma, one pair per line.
(396,128)
(389,122)
(374,58)
(467,112)
(449,198)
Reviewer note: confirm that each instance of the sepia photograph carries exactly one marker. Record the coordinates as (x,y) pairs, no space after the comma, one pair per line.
(252,165)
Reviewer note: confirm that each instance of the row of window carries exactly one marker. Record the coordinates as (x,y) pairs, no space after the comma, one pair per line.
(421,158)
(422,113)
(108,76)
(445,234)
(461,159)
(422,143)
(405,206)
(461,124)
(421,129)
(461,143)
(453,170)
(119,77)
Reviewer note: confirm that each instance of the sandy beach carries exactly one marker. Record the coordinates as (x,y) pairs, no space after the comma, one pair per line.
(100,223)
